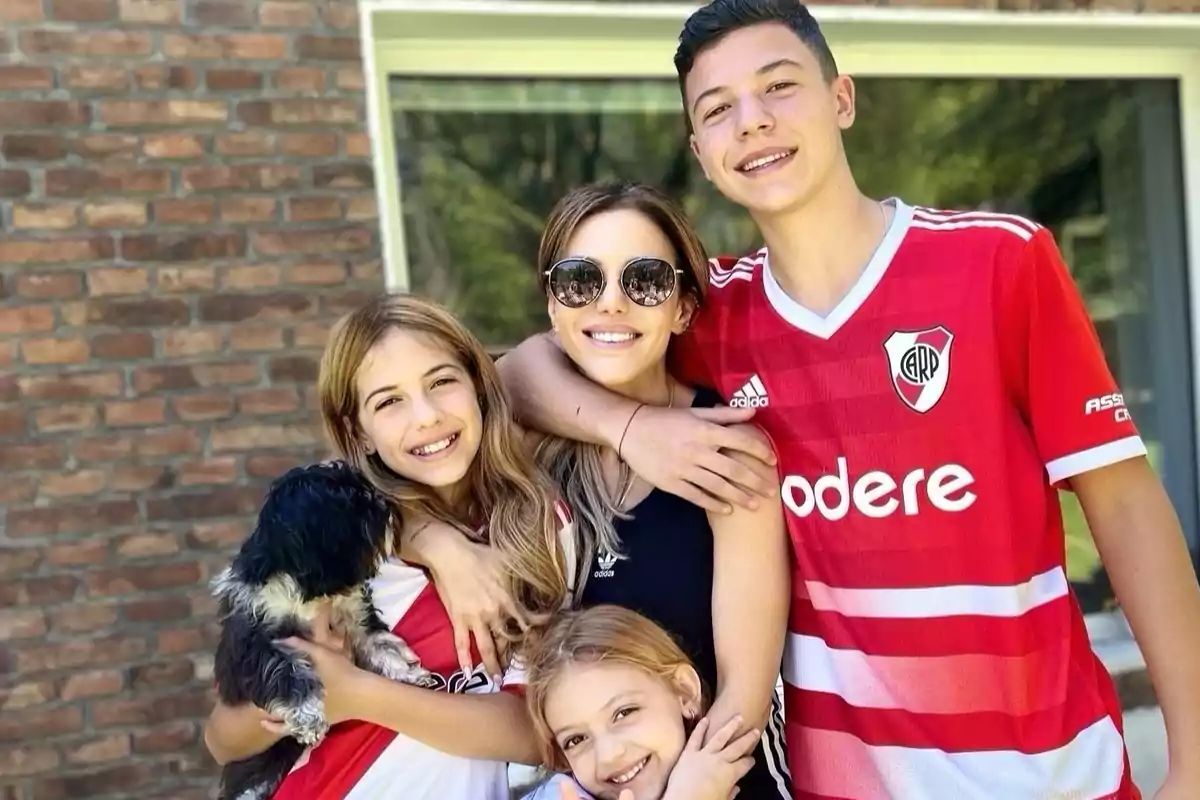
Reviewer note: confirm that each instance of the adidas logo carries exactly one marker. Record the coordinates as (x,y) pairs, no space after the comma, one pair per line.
(606,562)
(752,395)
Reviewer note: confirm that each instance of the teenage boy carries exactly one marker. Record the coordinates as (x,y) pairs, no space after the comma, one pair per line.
(928,379)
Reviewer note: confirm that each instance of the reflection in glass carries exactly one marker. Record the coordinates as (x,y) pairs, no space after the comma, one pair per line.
(482,162)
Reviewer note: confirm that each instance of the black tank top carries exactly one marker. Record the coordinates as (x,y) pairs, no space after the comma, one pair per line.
(666,574)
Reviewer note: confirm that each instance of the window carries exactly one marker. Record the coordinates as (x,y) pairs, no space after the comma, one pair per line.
(482,161)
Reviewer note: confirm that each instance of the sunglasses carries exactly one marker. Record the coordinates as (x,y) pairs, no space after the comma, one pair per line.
(577,282)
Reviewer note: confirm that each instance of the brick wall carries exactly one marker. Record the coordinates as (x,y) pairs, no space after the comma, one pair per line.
(186,202)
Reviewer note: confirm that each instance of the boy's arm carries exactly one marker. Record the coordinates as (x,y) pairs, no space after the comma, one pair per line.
(677,450)
(235,733)
(1089,443)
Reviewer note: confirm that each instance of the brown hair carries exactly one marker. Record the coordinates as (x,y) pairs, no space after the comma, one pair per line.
(601,634)
(578,467)
(507,491)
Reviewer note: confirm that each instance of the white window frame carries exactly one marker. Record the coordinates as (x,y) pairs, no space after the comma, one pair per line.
(557,39)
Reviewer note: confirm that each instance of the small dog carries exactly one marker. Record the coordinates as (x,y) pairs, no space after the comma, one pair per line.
(321,534)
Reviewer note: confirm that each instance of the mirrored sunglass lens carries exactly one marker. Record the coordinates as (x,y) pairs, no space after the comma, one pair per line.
(575,283)
(649,281)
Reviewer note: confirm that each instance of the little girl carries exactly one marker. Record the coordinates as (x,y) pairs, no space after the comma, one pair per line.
(617,704)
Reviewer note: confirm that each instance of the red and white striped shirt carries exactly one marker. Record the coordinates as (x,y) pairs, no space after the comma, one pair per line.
(935,651)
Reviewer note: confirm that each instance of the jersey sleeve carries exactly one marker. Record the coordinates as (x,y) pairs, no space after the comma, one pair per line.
(1057,370)
(689,357)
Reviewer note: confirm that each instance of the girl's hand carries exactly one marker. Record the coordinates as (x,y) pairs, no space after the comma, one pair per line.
(330,656)
(470,580)
(711,771)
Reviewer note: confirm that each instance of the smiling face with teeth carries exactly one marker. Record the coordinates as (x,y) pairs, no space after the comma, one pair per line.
(616,342)
(419,410)
(767,121)
(621,728)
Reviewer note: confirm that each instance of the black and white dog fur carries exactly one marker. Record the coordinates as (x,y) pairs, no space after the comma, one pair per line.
(321,534)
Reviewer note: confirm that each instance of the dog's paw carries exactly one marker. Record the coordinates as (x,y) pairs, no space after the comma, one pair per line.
(305,722)
(259,792)
(389,655)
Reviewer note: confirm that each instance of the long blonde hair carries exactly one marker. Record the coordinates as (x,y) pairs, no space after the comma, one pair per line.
(578,467)
(510,496)
(605,634)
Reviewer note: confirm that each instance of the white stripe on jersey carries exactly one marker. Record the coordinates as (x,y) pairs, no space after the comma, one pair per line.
(1089,766)
(743,270)
(929,220)
(940,601)
(955,215)
(774,750)
(1086,460)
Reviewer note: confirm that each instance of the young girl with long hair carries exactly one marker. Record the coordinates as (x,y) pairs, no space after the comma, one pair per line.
(411,399)
(624,273)
(620,708)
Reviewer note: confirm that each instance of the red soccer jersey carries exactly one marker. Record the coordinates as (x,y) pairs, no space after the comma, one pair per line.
(935,650)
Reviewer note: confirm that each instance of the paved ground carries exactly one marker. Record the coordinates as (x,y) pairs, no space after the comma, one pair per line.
(1147,741)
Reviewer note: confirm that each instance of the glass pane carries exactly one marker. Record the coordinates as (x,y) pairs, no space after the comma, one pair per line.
(482,162)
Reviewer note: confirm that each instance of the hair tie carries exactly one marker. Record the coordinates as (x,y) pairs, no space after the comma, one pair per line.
(621,443)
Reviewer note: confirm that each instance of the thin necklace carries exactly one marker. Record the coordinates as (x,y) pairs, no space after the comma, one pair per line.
(632,479)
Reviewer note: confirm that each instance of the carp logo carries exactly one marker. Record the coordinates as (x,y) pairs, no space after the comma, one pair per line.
(920,365)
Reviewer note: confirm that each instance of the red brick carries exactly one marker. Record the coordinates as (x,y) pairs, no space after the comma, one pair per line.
(249,209)
(33,146)
(152,12)
(174,146)
(168,738)
(95,683)
(25,319)
(122,346)
(44,113)
(22,624)
(99,749)
(115,214)
(16,77)
(156,77)
(45,216)
(146,545)
(136,413)
(300,79)
(185,279)
(343,176)
(62,519)
(246,339)
(44,250)
(74,653)
(107,146)
(167,377)
(14,561)
(151,312)
(21,11)
(202,407)
(243,177)
(13,422)
(351,79)
(265,436)
(274,400)
(85,43)
(93,552)
(293,369)
(315,209)
(73,386)
(14,183)
(310,240)
(72,350)
(65,418)
(183,640)
(228,373)
(158,609)
(251,276)
(304,111)
(138,479)
(166,673)
(185,211)
(183,246)
(328,48)
(140,113)
(279,306)
(222,535)
(358,145)
(210,470)
(342,16)
(26,695)
(246,143)
(38,591)
(108,180)
(149,709)
(222,14)
(226,47)
(131,579)
(233,80)
(310,145)
(191,342)
(96,782)
(83,10)
(286,14)
(97,77)
(50,285)
(28,760)
(34,724)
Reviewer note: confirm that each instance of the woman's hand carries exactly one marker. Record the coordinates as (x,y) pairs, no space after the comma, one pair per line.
(470,580)
(711,771)
(329,653)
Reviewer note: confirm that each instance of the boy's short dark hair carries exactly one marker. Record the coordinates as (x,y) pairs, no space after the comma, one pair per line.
(712,22)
